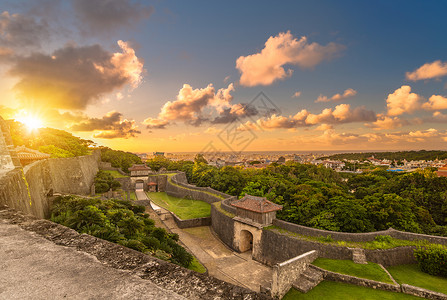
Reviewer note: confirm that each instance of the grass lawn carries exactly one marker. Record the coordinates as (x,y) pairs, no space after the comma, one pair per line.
(370,271)
(133,196)
(197,266)
(343,291)
(115,173)
(410,274)
(388,244)
(184,208)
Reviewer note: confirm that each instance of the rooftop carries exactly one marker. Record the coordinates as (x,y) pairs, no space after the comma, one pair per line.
(139,168)
(24,153)
(256,204)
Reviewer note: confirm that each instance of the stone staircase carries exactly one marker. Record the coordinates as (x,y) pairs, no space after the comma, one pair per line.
(358,256)
(309,279)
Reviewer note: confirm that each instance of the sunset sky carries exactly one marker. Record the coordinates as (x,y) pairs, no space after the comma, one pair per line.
(179,76)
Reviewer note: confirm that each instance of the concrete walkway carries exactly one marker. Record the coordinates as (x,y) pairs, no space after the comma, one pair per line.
(32,267)
(141,195)
(221,262)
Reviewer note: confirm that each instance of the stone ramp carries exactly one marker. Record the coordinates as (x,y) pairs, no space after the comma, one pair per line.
(141,195)
(44,260)
(309,279)
(35,268)
(358,256)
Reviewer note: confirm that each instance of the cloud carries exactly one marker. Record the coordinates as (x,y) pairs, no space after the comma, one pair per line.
(110,126)
(7,112)
(340,115)
(212,130)
(403,101)
(337,97)
(324,127)
(106,16)
(297,94)
(267,66)
(236,111)
(431,70)
(437,117)
(155,123)
(21,32)
(435,102)
(74,77)
(190,106)
(385,122)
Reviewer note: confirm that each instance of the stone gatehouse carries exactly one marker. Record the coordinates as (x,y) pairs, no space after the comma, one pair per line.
(252,214)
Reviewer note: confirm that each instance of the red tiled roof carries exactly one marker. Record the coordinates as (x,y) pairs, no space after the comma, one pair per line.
(24,153)
(139,168)
(256,204)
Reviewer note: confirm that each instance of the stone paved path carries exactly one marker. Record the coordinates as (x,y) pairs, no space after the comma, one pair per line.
(221,262)
(32,267)
(141,195)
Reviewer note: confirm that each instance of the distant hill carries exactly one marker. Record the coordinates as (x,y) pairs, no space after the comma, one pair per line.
(60,143)
(400,155)
(57,143)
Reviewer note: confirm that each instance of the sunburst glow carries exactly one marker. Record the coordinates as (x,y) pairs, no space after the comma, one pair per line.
(31,122)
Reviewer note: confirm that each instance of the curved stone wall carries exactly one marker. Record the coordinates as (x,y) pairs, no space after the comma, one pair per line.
(28,189)
(178,186)
(358,237)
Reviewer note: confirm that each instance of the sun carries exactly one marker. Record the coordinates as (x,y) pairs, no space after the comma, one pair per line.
(31,122)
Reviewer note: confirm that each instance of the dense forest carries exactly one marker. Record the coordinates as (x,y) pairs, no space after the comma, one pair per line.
(319,197)
(119,159)
(397,156)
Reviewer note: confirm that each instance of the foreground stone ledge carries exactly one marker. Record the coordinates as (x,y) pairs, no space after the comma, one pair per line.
(184,282)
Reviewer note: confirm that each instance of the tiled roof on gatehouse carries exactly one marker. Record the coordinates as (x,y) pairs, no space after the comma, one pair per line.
(256,204)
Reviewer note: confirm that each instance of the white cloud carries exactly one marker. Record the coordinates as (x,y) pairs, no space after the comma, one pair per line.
(431,70)
(267,66)
(436,102)
(297,94)
(348,93)
(403,101)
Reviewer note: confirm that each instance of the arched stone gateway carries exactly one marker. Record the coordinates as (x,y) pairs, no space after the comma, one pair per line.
(247,237)
(246,241)
(252,214)
(139,185)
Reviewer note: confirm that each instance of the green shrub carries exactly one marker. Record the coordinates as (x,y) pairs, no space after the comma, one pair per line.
(383,239)
(432,260)
(121,222)
(159,234)
(326,239)
(151,243)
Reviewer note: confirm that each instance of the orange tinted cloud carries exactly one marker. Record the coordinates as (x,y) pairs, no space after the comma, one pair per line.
(435,102)
(431,70)
(74,77)
(110,126)
(267,66)
(339,115)
(348,93)
(191,103)
(403,101)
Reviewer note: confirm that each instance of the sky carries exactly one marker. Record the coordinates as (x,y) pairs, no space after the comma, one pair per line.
(208,76)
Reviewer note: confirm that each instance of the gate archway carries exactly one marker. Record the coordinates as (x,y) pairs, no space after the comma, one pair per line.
(246,241)
(139,185)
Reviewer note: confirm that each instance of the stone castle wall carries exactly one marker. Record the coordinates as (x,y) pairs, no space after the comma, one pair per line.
(286,273)
(178,186)
(28,189)
(222,224)
(358,237)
